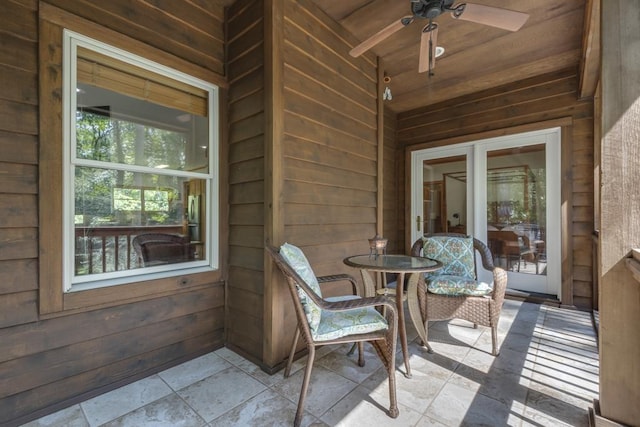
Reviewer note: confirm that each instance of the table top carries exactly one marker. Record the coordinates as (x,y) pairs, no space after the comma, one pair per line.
(393,263)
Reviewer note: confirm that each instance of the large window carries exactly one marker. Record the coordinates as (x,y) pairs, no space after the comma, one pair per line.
(140,184)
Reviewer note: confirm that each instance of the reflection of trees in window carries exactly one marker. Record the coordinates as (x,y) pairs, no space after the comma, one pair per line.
(101,199)
(127,199)
(516,194)
(93,193)
(116,140)
(93,136)
(103,138)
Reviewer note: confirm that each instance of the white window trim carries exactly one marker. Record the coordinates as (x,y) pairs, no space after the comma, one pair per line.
(72,283)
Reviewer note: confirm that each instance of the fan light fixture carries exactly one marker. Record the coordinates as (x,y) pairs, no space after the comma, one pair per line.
(429,10)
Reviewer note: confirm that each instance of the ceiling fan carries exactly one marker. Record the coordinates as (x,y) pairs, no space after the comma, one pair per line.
(430,9)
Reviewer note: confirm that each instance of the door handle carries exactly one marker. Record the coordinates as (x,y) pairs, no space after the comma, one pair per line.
(418,222)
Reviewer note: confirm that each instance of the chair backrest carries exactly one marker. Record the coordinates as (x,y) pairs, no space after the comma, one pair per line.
(511,242)
(162,248)
(478,246)
(296,259)
(305,291)
(454,252)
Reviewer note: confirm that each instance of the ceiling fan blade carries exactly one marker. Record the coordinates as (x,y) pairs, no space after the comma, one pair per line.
(380,36)
(493,16)
(428,43)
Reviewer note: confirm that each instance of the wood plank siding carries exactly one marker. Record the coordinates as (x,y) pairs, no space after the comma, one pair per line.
(328,150)
(246,124)
(526,105)
(50,361)
(302,157)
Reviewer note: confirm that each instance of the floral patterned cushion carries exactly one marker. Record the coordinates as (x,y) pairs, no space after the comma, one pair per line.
(336,324)
(296,260)
(457,285)
(455,253)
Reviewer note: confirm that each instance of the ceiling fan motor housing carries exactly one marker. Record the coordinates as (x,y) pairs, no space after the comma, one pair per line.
(430,9)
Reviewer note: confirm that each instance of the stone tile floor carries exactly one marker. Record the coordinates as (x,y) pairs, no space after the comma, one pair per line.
(546,375)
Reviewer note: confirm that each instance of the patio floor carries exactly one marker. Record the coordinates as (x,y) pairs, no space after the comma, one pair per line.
(546,375)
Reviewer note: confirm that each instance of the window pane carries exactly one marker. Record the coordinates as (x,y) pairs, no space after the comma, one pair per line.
(113,207)
(127,199)
(112,127)
(156,200)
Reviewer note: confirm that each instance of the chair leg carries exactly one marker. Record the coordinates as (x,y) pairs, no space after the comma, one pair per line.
(305,386)
(494,340)
(391,371)
(352,349)
(426,337)
(388,358)
(292,353)
(360,354)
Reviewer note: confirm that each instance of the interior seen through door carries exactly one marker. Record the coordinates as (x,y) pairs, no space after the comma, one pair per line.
(516,208)
(516,204)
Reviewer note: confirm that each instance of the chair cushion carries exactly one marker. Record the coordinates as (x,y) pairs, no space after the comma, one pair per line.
(457,286)
(455,254)
(298,261)
(336,324)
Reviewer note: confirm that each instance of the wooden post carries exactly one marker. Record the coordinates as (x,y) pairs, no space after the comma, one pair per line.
(275,292)
(380,123)
(620,213)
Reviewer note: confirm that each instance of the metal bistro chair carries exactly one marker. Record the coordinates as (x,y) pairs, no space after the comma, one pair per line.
(336,320)
(455,291)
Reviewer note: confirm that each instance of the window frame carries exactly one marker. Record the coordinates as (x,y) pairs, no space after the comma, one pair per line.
(52,299)
(72,42)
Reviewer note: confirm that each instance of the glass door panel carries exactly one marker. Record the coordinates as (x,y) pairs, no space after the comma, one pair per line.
(444,195)
(518,204)
(516,208)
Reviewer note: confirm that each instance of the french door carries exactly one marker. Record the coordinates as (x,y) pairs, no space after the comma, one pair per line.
(504,191)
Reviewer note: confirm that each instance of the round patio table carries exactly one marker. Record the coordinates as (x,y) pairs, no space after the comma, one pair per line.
(401,265)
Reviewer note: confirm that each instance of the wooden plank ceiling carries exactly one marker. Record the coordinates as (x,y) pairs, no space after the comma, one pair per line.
(476,57)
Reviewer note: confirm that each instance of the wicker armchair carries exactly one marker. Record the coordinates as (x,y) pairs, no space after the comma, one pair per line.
(162,248)
(380,331)
(479,309)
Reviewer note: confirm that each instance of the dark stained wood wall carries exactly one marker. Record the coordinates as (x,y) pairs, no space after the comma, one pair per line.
(245,289)
(330,140)
(18,165)
(540,99)
(322,149)
(47,362)
(302,156)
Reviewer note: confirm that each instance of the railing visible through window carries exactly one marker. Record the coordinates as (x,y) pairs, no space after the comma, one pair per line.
(106,249)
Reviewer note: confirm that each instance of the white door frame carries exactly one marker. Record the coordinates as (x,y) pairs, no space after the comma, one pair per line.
(476,152)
